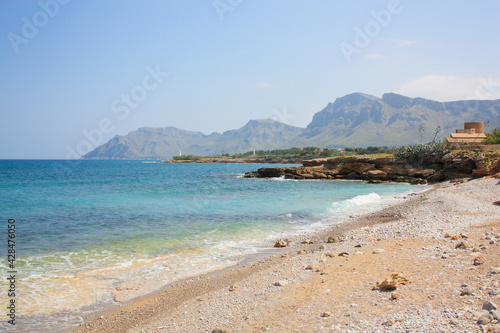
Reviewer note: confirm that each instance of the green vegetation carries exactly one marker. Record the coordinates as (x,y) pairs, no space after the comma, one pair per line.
(291,153)
(187,158)
(368,150)
(493,137)
(297,154)
(420,154)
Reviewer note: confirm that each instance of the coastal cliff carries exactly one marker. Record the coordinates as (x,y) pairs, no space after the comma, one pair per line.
(377,169)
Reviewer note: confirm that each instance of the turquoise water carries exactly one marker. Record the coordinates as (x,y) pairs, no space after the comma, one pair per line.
(92,232)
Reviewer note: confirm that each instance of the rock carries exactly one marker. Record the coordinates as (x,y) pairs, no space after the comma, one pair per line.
(343,254)
(372,240)
(495,328)
(494,292)
(479,261)
(333,239)
(319,175)
(392,282)
(455,237)
(488,305)
(326,314)
(330,255)
(282,243)
(281,283)
(495,314)
(463,245)
(218,330)
(418,181)
(251,174)
(271,172)
(484,319)
(314,162)
(312,267)
(396,296)
(233,288)
(454,322)
(307,241)
(447,235)
(377,174)
(467,291)
(495,270)
(497,203)
(378,251)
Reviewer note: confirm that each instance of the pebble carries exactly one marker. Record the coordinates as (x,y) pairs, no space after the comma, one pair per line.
(479,261)
(396,296)
(484,319)
(488,305)
(281,283)
(493,292)
(467,291)
(495,314)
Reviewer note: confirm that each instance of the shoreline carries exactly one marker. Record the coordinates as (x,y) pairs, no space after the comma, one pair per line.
(250,263)
(158,311)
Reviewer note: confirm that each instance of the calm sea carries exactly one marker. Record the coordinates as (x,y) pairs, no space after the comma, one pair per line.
(92,232)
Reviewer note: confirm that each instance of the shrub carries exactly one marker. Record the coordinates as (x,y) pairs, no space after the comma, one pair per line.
(420,154)
(494,137)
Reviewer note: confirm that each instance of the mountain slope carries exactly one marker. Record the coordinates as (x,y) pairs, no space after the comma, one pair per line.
(163,143)
(364,120)
(353,120)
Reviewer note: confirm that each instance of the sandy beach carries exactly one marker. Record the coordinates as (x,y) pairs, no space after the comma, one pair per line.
(444,242)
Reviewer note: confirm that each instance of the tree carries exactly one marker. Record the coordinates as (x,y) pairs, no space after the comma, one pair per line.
(494,137)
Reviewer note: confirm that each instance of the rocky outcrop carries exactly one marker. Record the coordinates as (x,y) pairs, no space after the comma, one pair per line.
(472,163)
(376,169)
(373,169)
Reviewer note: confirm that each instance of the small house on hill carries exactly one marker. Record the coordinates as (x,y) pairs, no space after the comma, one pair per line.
(473,132)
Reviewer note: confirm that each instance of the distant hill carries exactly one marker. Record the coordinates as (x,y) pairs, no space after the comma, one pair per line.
(164,143)
(353,120)
(363,120)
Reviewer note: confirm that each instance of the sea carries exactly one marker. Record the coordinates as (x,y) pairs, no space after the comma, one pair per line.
(91,233)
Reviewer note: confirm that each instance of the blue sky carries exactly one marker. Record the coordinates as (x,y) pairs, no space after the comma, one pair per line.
(76,73)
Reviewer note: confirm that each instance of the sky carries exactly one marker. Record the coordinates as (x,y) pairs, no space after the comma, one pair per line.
(74,74)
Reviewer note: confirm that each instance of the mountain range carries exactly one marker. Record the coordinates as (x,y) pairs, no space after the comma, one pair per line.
(355,120)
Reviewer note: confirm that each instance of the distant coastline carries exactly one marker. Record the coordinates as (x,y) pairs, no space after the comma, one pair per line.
(257,160)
